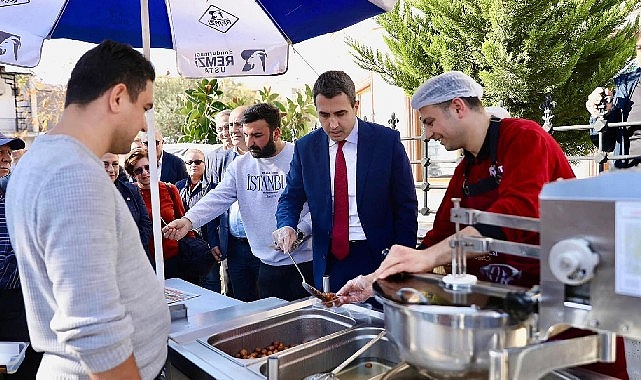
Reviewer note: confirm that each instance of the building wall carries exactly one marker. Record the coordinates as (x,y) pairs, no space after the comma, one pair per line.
(7,103)
(16,105)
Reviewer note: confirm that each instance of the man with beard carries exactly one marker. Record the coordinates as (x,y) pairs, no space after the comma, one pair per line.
(256,181)
(228,238)
(93,303)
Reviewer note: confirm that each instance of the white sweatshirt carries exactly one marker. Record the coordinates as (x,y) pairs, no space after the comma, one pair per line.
(257,184)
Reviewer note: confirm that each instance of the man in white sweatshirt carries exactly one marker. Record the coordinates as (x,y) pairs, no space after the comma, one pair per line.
(257,180)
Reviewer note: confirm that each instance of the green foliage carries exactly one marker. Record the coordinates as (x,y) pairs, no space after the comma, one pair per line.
(207,97)
(515,49)
(200,108)
(169,99)
(298,114)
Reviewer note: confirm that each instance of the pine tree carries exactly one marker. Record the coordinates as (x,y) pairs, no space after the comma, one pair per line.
(518,50)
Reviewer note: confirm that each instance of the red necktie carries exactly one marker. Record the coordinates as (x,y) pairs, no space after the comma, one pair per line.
(340,229)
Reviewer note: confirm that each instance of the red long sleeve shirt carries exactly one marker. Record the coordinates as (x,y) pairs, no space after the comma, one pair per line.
(168,212)
(529,158)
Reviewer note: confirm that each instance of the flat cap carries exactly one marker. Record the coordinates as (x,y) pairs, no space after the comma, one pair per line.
(13,142)
(444,87)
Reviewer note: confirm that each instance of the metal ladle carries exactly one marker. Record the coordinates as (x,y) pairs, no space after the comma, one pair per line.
(325,297)
(332,375)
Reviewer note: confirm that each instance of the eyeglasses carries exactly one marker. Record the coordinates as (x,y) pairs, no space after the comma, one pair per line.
(138,171)
(197,162)
(147,143)
(237,124)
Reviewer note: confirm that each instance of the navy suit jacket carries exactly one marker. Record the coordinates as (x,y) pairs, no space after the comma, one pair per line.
(136,204)
(385,192)
(173,168)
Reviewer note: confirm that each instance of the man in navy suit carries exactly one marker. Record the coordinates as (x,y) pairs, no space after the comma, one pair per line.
(380,187)
(172,168)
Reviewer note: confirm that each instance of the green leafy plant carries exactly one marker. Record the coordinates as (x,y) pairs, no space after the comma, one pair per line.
(169,99)
(201,106)
(298,114)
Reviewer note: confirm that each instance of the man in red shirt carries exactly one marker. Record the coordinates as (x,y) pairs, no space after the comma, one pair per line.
(506,163)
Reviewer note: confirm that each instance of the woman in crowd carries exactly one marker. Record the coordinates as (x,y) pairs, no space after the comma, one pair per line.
(137,165)
(192,189)
(132,197)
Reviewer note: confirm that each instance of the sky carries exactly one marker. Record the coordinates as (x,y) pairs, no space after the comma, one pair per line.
(307,59)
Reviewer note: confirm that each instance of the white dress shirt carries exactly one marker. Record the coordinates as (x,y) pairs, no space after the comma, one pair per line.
(349,151)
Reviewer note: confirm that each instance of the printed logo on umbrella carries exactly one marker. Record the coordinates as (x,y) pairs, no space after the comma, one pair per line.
(9,45)
(8,3)
(217,18)
(254,58)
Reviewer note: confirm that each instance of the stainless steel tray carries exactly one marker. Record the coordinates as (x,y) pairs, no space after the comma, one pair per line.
(295,327)
(327,353)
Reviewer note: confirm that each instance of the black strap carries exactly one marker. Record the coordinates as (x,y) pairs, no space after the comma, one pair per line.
(496,172)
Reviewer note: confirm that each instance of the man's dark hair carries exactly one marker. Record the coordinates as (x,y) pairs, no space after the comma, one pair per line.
(103,67)
(262,111)
(471,101)
(333,83)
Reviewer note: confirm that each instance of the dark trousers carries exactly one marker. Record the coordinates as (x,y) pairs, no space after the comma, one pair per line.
(284,281)
(13,328)
(211,280)
(361,261)
(243,268)
(173,269)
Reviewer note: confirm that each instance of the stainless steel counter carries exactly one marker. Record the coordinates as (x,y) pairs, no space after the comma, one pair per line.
(211,313)
(206,314)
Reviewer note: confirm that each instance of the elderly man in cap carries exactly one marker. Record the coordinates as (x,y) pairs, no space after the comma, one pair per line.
(13,322)
(7,146)
(506,163)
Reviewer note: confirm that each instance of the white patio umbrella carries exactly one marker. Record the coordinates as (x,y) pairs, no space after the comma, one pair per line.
(212,38)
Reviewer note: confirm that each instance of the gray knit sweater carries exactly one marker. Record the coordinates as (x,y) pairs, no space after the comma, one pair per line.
(92,298)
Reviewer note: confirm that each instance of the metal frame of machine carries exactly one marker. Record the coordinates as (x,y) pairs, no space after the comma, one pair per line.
(590,271)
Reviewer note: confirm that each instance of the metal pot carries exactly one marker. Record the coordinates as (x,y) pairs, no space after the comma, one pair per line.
(450,340)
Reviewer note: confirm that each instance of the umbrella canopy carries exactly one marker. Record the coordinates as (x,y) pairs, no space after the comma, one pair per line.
(212,38)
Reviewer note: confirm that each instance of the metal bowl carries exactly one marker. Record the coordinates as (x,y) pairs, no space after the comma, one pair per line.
(450,340)
(449,333)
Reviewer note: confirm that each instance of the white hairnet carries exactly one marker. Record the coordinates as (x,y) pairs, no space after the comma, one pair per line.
(444,87)
(498,111)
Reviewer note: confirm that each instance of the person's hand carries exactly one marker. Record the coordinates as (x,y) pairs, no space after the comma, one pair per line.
(405,259)
(356,290)
(284,238)
(595,98)
(177,229)
(215,251)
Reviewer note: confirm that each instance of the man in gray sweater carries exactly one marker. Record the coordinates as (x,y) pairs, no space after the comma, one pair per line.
(257,180)
(94,305)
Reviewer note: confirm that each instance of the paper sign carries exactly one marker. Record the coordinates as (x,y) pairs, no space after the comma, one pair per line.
(627,279)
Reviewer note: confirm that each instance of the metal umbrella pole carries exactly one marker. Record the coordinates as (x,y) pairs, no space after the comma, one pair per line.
(151,149)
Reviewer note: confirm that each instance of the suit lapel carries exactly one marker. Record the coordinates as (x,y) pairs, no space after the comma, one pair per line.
(321,152)
(364,155)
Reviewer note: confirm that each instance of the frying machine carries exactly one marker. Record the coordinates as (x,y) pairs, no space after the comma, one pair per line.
(590,265)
